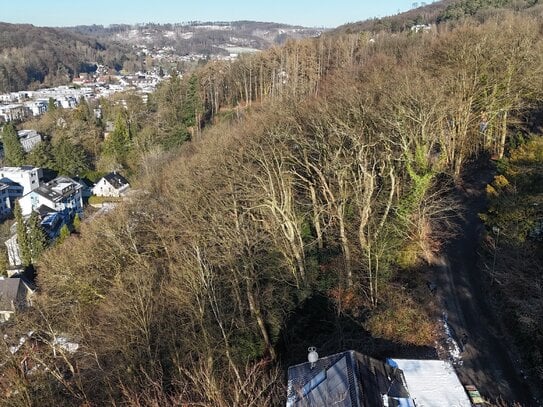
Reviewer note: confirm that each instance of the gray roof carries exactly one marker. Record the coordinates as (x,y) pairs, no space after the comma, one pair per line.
(347,379)
(12,294)
(44,210)
(116,180)
(52,190)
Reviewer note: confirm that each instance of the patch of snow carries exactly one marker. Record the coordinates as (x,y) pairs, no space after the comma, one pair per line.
(240,50)
(453,350)
(15,349)
(65,344)
(213,27)
(433,383)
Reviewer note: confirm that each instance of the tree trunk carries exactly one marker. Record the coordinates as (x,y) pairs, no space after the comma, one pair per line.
(346,251)
(316,218)
(257,314)
(503,136)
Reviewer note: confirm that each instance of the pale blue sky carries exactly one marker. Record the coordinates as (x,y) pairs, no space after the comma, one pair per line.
(316,13)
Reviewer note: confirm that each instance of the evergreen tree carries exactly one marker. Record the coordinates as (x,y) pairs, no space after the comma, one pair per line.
(84,112)
(77,223)
(13,150)
(41,156)
(22,237)
(51,105)
(37,238)
(70,159)
(192,105)
(117,144)
(4,262)
(64,234)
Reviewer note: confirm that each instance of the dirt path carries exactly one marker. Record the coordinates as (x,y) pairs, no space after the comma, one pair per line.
(487,359)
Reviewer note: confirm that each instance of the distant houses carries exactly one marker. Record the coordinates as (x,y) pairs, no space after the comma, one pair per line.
(13,112)
(29,139)
(17,106)
(421,28)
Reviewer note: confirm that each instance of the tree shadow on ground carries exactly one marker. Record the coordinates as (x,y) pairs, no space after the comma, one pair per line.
(316,322)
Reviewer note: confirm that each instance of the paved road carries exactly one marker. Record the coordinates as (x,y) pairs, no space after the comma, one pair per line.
(488,360)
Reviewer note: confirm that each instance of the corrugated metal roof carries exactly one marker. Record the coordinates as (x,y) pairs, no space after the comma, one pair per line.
(347,379)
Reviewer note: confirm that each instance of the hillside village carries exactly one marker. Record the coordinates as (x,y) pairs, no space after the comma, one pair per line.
(352,220)
(22,105)
(56,206)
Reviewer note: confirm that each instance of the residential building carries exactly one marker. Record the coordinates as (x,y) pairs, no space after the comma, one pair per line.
(424,28)
(86,186)
(62,195)
(38,107)
(13,112)
(111,185)
(5,203)
(14,252)
(27,177)
(15,295)
(350,379)
(29,139)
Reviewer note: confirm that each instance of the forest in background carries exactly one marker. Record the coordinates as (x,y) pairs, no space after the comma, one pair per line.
(203,38)
(33,57)
(309,171)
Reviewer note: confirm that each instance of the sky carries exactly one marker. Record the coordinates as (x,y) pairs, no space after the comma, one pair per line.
(311,13)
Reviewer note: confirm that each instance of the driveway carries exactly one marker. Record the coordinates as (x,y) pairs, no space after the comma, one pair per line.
(488,358)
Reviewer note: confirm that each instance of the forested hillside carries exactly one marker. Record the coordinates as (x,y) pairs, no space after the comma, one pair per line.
(204,38)
(34,56)
(439,12)
(323,168)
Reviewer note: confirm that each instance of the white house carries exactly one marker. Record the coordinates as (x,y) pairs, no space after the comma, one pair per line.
(29,139)
(62,195)
(27,177)
(13,112)
(112,185)
(37,107)
(424,28)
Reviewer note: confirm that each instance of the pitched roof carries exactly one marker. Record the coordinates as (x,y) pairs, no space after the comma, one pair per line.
(12,293)
(116,180)
(347,379)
